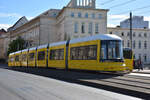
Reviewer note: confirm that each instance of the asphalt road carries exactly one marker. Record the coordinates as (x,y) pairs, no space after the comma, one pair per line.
(24,86)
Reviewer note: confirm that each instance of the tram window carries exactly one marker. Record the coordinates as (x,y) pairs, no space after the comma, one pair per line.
(127,54)
(31,56)
(103,52)
(17,58)
(111,50)
(57,54)
(41,55)
(11,59)
(84,53)
(24,57)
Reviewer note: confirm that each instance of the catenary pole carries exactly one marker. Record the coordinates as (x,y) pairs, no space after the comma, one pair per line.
(131,29)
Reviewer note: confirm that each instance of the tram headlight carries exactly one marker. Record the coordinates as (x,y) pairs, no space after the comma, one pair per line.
(124,65)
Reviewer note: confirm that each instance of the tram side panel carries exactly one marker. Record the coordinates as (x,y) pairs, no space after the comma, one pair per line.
(18,59)
(24,59)
(56,56)
(11,60)
(84,55)
(41,57)
(32,58)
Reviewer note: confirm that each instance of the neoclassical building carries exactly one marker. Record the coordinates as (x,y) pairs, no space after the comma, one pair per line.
(79,18)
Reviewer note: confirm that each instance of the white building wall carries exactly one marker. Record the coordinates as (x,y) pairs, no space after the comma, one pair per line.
(68,21)
(47,30)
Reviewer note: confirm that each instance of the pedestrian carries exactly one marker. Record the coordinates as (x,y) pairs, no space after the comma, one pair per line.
(140,67)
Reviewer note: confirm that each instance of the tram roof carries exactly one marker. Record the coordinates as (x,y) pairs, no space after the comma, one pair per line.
(42,46)
(58,43)
(127,49)
(24,50)
(97,37)
(12,53)
(17,52)
(33,48)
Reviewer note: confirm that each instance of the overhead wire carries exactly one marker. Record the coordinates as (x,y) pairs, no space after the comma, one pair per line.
(106,2)
(122,4)
(140,8)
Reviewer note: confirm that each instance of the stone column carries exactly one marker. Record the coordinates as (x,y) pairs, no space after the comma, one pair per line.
(79,3)
(82,2)
(85,2)
(74,3)
(93,3)
(89,3)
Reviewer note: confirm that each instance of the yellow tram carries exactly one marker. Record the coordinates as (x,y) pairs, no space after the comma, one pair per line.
(96,53)
(17,61)
(32,57)
(11,59)
(24,58)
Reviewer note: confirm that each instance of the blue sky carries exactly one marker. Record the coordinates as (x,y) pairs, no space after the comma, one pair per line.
(12,10)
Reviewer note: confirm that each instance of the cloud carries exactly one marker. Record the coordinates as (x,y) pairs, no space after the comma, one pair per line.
(5,26)
(147,18)
(14,15)
(29,17)
(10,15)
(114,20)
(118,16)
(111,25)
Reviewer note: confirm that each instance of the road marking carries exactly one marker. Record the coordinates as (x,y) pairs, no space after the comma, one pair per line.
(140,74)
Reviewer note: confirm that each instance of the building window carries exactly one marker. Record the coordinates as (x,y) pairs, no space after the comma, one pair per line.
(140,35)
(128,34)
(83,28)
(96,28)
(79,15)
(139,44)
(134,44)
(145,34)
(93,16)
(128,44)
(134,34)
(122,34)
(145,58)
(72,14)
(140,56)
(76,27)
(90,28)
(99,16)
(145,44)
(54,14)
(134,56)
(110,32)
(86,15)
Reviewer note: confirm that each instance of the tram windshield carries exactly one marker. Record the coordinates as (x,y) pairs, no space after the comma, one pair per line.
(127,53)
(111,50)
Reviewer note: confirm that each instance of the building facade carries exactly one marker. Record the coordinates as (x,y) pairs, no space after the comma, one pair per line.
(3,46)
(137,22)
(140,41)
(79,18)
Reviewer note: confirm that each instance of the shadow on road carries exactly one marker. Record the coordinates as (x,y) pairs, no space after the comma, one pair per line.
(79,77)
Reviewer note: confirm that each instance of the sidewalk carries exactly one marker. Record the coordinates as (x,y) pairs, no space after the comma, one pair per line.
(141,71)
